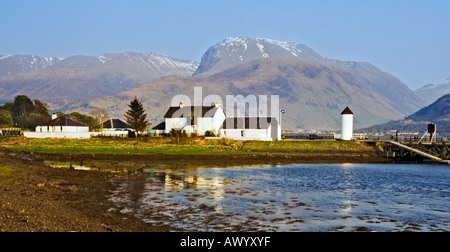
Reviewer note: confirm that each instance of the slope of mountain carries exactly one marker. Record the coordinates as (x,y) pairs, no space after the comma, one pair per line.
(431,92)
(235,51)
(313,94)
(14,64)
(438,113)
(87,77)
(312,89)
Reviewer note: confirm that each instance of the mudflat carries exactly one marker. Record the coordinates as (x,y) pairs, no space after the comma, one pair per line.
(35,197)
(38,198)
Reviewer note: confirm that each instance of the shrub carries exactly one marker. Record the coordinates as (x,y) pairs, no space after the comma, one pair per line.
(210,133)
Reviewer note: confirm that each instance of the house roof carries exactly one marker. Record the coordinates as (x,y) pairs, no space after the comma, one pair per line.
(114,124)
(161,126)
(250,122)
(347,111)
(191,111)
(64,121)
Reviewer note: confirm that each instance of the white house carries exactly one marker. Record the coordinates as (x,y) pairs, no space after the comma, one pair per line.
(195,119)
(60,127)
(158,130)
(251,128)
(115,128)
(199,119)
(114,124)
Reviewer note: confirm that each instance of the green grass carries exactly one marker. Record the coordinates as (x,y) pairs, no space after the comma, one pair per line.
(108,146)
(328,146)
(154,146)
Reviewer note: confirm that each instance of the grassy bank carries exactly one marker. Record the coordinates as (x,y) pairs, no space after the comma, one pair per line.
(166,146)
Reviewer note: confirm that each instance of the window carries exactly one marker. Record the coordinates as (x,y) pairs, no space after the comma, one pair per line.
(242,133)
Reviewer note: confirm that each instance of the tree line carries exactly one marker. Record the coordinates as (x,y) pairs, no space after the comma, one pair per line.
(26,114)
(23,113)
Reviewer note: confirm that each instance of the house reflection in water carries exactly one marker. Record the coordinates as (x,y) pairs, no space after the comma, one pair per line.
(187,180)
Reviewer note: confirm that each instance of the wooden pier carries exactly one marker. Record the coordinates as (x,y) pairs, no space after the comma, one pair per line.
(414,152)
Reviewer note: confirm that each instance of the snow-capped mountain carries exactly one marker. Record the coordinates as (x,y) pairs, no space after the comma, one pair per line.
(155,62)
(234,51)
(86,77)
(14,64)
(314,89)
(431,92)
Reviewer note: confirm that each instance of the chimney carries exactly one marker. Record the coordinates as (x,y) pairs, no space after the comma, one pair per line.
(181,104)
(218,104)
(54,116)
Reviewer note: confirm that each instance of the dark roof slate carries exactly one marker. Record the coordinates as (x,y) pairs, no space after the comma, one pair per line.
(114,124)
(64,121)
(161,126)
(191,111)
(250,122)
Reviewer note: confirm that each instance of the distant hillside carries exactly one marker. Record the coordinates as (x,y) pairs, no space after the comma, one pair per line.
(313,94)
(14,64)
(438,113)
(313,89)
(87,77)
(233,52)
(431,92)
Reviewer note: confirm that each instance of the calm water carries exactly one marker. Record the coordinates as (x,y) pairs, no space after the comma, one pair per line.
(301,197)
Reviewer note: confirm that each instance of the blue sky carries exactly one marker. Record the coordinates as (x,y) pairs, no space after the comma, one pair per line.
(407,38)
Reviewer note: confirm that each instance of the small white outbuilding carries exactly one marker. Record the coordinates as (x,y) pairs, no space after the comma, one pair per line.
(251,128)
(347,124)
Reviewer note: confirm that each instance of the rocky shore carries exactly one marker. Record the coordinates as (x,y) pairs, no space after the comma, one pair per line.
(37,198)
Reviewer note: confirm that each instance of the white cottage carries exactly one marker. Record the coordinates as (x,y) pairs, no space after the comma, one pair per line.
(195,119)
(60,127)
(251,128)
(199,119)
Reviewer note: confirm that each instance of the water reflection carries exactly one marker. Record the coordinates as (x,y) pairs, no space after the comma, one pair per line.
(68,165)
(301,197)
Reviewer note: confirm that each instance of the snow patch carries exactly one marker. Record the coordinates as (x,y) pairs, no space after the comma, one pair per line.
(289,46)
(229,42)
(103,59)
(4,56)
(261,49)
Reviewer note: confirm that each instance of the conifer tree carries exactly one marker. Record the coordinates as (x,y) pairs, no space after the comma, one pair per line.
(136,116)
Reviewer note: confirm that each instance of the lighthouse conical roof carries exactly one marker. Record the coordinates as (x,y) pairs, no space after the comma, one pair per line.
(347,111)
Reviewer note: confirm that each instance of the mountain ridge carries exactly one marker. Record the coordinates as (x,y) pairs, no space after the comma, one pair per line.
(432,91)
(235,51)
(238,50)
(438,112)
(86,77)
(313,94)
(312,88)
(14,64)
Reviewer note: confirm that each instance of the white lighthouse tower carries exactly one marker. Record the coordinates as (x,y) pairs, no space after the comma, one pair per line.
(347,124)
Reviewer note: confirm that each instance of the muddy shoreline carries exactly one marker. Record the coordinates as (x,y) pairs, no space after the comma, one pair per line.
(35,197)
(226,160)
